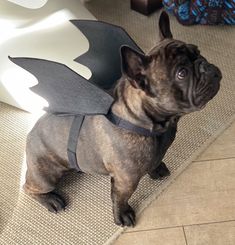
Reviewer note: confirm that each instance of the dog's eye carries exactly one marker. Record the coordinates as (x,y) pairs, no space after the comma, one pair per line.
(182,73)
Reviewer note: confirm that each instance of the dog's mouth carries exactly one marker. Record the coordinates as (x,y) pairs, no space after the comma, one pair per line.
(205,86)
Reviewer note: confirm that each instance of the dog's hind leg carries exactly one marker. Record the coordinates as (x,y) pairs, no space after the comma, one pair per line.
(51,200)
(42,176)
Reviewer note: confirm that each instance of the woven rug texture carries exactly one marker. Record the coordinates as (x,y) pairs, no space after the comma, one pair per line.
(88,219)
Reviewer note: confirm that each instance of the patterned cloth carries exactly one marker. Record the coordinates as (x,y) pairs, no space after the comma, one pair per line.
(205,12)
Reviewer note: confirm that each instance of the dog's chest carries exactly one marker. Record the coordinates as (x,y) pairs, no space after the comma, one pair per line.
(101,142)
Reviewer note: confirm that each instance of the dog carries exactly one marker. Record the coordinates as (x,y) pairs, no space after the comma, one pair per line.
(155,90)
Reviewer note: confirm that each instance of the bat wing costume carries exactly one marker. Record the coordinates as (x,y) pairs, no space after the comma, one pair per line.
(68,93)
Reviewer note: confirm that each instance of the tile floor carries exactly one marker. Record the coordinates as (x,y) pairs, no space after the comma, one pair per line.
(199,208)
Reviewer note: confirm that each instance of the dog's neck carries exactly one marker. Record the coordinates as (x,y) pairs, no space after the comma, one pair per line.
(129,106)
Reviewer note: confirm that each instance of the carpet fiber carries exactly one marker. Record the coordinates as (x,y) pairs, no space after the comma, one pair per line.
(88,219)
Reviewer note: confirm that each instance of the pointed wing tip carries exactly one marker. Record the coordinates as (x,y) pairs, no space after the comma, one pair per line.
(76,21)
(13,59)
(76,59)
(10,58)
(72,21)
(34,88)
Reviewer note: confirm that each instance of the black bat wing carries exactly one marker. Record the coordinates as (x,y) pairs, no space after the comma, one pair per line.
(66,91)
(103,57)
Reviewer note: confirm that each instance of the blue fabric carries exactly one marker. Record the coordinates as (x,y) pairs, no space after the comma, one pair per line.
(203,12)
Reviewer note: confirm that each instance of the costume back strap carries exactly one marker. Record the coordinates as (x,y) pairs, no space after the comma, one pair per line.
(73,140)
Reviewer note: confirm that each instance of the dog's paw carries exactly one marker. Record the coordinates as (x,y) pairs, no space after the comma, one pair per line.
(52,201)
(125,217)
(160,172)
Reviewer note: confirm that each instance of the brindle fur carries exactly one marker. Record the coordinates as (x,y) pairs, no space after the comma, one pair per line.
(147,95)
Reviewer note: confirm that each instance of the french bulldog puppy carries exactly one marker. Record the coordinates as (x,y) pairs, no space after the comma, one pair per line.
(155,90)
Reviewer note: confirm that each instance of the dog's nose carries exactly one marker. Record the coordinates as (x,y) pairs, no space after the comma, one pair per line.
(216,72)
(211,70)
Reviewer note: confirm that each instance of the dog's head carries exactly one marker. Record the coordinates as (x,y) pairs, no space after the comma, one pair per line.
(174,76)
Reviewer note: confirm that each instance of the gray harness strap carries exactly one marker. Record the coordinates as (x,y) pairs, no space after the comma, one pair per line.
(73,140)
(121,123)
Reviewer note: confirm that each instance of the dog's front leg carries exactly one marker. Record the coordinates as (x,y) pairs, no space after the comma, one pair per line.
(159,168)
(159,172)
(121,191)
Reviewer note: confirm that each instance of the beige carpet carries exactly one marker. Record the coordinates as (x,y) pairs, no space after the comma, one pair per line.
(88,219)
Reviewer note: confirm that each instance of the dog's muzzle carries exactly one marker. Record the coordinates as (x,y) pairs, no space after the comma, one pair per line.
(207,84)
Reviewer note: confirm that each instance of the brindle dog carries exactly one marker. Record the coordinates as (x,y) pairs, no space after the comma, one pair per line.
(154,91)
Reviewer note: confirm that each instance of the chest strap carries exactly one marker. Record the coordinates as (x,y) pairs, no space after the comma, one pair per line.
(122,123)
(73,141)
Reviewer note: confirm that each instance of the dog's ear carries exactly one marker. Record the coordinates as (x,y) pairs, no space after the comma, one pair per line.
(164,26)
(134,66)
